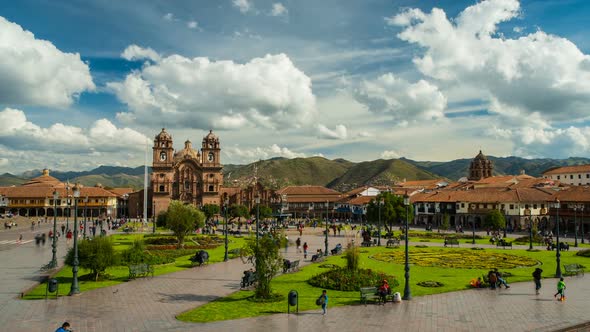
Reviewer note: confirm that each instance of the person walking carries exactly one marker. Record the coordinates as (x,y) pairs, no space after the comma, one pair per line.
(560,290)
(65,327)
(323,301)
(298,243)
(537,279)
(305,247)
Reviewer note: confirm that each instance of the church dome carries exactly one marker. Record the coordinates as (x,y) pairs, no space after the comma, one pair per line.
(188,151)
(210,136)
(480,156)
(163,136)
(45,180)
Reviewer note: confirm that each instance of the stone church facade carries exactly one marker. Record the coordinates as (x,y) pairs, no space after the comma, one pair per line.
(480,168)
(189,175)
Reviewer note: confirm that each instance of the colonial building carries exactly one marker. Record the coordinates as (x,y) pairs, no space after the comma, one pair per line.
(188,175)
(574,175)
(480,167)
(35,199)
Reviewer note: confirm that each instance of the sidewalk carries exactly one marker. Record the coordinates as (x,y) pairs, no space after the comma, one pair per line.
(150,304)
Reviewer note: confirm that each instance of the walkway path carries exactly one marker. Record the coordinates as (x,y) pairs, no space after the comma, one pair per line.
(150,304)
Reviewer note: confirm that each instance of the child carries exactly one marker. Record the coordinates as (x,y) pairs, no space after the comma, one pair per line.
(537,279)
(324,301)
(560,290)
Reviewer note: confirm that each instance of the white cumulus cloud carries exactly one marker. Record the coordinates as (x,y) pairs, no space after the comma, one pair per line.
(134,52)
(278,9)
(247,155)
(267,92)
(35,72)
(535,72)
(390,154)
(400,99)
(339,132)
(243,5)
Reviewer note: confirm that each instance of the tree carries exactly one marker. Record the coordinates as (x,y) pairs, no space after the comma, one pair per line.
(393,210)
(238,211)
(264,211)
(446,224)
(495,220)
(182,219)
(268,261)
(161,219)
(96,254)
(210,210)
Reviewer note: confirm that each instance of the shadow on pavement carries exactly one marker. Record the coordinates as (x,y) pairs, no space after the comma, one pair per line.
(186,298)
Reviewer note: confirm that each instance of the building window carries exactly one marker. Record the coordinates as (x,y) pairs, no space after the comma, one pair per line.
(558,177)
(542,206)
(571,176)
(511,206)
(534,206)
(211,188)
(587,176)
(161,188)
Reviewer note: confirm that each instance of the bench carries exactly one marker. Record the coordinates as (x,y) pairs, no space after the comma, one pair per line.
(248,279)
(290,266)
(337,250)
(201,257)
(369,293)
(317,258)
(572,269)
(503,244)
(366,243)
(451,242)
(140,270)
(393,243)
(235,252)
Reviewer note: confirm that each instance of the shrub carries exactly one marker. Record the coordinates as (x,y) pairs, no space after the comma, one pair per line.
(525,239)
(97,255)
(343,279)
(352,255)
(430,283)
(434,235)
(134,255)
(174,247)
(160,240)
(583,253)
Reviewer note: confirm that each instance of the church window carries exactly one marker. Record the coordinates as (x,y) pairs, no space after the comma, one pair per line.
(211,156)
(163,144)
(162,175)
(161,188)
(211,188)
(187,185)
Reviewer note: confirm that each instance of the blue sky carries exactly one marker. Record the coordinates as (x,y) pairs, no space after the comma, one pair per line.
(360,80)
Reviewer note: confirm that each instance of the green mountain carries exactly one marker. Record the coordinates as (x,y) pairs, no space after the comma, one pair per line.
(8,179)
(459,168)
(111,181)
(379,173)
(280,172)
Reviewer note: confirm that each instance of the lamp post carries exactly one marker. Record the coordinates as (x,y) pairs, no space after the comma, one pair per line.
(68,204)
(556,205)
(576,225)
(473,222)
(528,213)
(125,197)
(53,262)
(407,292)
(326,238)
(75,289)
(225,204)
(257,201)
(582,209)
(379,225)
(154,215)
(85,214)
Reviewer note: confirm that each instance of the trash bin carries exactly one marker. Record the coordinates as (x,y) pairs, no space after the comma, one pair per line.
(52,285)
(293,298)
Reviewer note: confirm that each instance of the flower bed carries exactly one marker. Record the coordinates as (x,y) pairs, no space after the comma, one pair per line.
(430,283)
(459,258)
(345,280)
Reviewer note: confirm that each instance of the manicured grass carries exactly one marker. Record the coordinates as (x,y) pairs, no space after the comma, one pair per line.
(237,305)
(120,274)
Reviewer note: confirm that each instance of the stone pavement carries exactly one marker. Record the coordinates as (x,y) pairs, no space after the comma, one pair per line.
(150,304)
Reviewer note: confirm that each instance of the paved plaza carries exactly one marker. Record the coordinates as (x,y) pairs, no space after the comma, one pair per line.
(151,304)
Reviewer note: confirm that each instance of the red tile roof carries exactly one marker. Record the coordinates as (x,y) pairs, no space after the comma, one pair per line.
(568,169)
(307,190)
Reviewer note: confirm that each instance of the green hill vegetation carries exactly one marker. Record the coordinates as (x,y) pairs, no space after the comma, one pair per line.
(8,179)
(379,173)
(111,181)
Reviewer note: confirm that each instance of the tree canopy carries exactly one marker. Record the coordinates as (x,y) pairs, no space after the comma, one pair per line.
(210,210)
(182,219)
(238,211)
(265,211)
(393,209)
(495,220)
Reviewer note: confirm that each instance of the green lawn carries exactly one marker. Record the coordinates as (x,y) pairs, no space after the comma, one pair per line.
(119,274)
(237,304)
